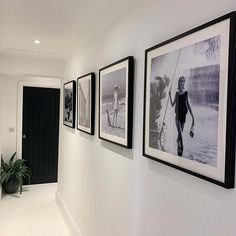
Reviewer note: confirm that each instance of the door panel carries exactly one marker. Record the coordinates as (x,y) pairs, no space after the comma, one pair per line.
(40,132)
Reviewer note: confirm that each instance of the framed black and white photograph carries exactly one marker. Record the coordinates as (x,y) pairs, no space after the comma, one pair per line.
(116,102)
(189,101)
(86,103)
(69,104)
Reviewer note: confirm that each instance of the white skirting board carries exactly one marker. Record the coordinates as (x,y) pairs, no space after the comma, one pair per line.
(67,216)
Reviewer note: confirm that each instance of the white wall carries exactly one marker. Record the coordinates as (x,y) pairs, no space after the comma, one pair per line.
(108,190)
(8,97)
(15,62)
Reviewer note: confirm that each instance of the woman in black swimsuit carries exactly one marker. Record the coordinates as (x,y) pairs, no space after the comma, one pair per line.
(181,109)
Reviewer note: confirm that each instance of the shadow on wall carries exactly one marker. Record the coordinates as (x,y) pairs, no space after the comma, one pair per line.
(196,184)
(128,153)
(87,136)
(71,130)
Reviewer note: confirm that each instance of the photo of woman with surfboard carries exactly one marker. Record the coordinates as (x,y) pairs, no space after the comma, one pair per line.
(184,101)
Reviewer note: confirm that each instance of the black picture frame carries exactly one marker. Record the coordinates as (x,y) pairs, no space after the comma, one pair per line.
(116,110)
(208,63)
(86,103)
(69,100)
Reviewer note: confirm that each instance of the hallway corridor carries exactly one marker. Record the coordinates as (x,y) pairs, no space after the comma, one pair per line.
(34,213)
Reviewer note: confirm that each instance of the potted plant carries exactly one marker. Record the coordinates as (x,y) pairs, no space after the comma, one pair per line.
(12,173)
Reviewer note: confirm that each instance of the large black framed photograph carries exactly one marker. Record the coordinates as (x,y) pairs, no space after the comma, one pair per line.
(86,103)
(189,101)
(116,102)
(69,91)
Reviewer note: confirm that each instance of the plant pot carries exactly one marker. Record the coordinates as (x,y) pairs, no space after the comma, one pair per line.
(11,186)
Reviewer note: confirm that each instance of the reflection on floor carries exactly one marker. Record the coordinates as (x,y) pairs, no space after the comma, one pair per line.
(34,213)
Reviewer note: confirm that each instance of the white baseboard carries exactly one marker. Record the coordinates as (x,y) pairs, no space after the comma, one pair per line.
(67,215)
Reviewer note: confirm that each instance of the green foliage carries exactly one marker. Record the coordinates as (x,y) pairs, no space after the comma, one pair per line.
(14,169)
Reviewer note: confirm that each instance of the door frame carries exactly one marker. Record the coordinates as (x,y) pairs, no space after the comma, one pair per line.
(40,82)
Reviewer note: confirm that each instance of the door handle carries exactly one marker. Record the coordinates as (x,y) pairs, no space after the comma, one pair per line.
(24,136)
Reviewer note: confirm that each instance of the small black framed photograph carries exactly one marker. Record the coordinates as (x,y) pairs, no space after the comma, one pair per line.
(189,101)
(116,102)
(69,92)
(86,103)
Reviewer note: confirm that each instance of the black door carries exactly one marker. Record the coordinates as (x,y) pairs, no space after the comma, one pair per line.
(41,132)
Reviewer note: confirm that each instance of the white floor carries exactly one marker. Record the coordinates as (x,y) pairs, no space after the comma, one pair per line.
(34,213)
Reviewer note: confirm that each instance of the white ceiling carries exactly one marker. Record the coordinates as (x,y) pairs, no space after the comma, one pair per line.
(58,24)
